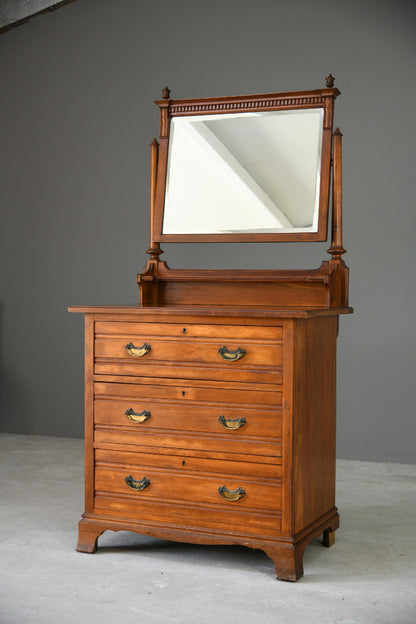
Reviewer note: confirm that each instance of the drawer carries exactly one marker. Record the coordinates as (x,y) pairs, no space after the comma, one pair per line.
(189,351)
(236,495)
(188,394)
(189,330)
(168,424)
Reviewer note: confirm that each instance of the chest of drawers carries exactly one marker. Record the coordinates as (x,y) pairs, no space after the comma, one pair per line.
(214,427)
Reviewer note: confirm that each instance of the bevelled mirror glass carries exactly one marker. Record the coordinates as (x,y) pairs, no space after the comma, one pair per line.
(239,173)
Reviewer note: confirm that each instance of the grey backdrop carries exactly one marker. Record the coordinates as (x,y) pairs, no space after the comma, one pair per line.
(77,118)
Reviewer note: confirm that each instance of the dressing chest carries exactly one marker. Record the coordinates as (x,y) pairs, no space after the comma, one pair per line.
(210,406)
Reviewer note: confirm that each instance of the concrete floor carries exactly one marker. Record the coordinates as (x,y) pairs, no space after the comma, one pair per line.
(368,577)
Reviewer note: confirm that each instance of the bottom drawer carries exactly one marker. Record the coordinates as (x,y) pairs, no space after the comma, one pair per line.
(228,495)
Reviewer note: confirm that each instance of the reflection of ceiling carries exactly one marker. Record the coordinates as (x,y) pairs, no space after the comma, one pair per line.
(281,152)
(16,12)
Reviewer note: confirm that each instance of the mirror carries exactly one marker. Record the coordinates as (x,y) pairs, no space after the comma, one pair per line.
(243,168)
(239,173)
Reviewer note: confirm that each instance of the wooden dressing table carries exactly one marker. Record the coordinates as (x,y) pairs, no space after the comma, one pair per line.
(210,406)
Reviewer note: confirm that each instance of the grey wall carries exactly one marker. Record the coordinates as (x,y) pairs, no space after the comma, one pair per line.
(77,119)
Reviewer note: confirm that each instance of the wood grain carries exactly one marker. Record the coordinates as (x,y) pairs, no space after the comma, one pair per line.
(314,419)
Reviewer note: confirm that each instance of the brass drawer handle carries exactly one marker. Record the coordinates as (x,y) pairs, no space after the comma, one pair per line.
(134,417)
(231,356)
(232,423)
(231,495)
(138,351)
(137,485)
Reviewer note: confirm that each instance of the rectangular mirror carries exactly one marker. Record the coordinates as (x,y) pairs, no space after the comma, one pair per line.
(250,172)
(257,172)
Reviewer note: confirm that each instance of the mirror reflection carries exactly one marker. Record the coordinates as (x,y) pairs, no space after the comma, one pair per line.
(244,172)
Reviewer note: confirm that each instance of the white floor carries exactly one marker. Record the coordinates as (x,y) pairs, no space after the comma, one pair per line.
(368,577)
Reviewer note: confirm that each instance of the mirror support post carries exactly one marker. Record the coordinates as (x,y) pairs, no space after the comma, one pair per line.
(148,279)
(154,249)
(338,271)
(336,249)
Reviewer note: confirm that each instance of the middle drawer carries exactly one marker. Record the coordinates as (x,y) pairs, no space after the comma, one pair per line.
(220,420)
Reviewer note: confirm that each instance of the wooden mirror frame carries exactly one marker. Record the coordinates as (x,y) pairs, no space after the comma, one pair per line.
(325,287)
(301,100)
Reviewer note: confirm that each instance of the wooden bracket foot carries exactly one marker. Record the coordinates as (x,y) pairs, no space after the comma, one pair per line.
(88,535)
(328,538)
(288,560)
(288,556)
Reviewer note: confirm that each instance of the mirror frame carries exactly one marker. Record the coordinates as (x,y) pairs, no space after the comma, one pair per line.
(319,98)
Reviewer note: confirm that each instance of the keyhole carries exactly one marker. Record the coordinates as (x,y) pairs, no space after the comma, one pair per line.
(183,392)
(184,330)
(183,462)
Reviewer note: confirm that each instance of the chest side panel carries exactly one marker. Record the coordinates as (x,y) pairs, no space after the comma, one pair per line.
(314,413)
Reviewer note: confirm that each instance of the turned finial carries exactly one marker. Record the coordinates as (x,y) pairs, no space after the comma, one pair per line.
(166,93)
(155,142)
(329,80)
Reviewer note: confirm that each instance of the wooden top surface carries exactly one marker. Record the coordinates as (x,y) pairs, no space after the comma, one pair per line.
(257,312)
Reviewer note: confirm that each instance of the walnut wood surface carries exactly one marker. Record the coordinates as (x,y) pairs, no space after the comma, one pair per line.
(89,413)
(317,289)
(204,352)
(180,523)
(171,440)
(257,314)
(185,417)
(186,371)
(194,391)
(233,468)
(172,423)
(314,419)
(187,330)
(185,485)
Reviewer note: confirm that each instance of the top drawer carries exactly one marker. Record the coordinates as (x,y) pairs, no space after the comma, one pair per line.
(217,352)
